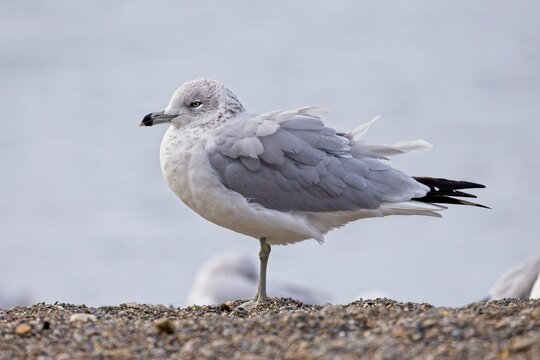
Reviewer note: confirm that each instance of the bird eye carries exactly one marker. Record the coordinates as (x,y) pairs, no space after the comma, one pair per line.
(195,104)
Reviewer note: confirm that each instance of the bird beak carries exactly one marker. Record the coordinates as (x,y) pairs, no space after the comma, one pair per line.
(156,118)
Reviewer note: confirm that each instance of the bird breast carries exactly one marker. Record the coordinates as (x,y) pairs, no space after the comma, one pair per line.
(187,170)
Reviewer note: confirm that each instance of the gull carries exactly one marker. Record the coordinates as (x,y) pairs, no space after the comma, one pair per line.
(284,176)
(232,275)
(520,281)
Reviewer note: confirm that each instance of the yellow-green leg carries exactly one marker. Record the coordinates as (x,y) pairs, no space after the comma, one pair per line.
(264,254)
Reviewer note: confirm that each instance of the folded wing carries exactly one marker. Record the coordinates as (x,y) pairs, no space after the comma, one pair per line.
(290,161)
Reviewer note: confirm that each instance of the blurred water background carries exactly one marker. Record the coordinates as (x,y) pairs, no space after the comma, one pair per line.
(86,217)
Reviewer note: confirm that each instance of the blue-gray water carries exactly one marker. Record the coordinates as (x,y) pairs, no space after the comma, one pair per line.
(86,217)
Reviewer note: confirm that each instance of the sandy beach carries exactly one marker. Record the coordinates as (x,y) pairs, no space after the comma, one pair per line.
(282,328)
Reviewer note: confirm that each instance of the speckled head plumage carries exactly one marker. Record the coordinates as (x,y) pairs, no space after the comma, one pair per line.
(200,100)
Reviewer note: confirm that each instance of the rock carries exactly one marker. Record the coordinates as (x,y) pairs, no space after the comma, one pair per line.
(399,332)
(23,329)
(188,349)
(82,317)
(165,326)
(132,305)
(523,343)
(117,354)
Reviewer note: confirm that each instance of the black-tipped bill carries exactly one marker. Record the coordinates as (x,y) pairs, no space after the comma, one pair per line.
(156,118)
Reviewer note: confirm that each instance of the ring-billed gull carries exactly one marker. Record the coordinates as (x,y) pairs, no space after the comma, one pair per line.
(283,176)
(231,276)
(520,281)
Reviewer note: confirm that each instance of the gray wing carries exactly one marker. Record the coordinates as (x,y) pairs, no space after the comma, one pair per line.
(291,161)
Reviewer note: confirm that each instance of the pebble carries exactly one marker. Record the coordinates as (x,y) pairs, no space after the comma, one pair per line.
(133,305)
(82,317)
(23,329)
(165,326)
(523,343)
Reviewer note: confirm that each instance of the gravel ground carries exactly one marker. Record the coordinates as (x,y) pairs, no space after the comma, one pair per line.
(282,328)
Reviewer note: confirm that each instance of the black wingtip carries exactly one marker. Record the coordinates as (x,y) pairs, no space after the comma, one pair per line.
(444,191)
(446,183)
(463,202)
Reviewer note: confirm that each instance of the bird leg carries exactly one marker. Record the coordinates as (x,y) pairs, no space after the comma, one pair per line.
(264,254)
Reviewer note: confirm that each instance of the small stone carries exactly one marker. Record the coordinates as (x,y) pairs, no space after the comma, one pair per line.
(97,348)
(165,326)
(23,329)
(188,348)
(456,334)
(429,322)
(117,353)
(399,332)
(432,333)
(82,317)
(523,343)
(241,312)
(225,307)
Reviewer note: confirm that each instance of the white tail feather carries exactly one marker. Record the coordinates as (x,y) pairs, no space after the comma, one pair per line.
(382,149)
(401,147)
(412,208)
(407,146)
